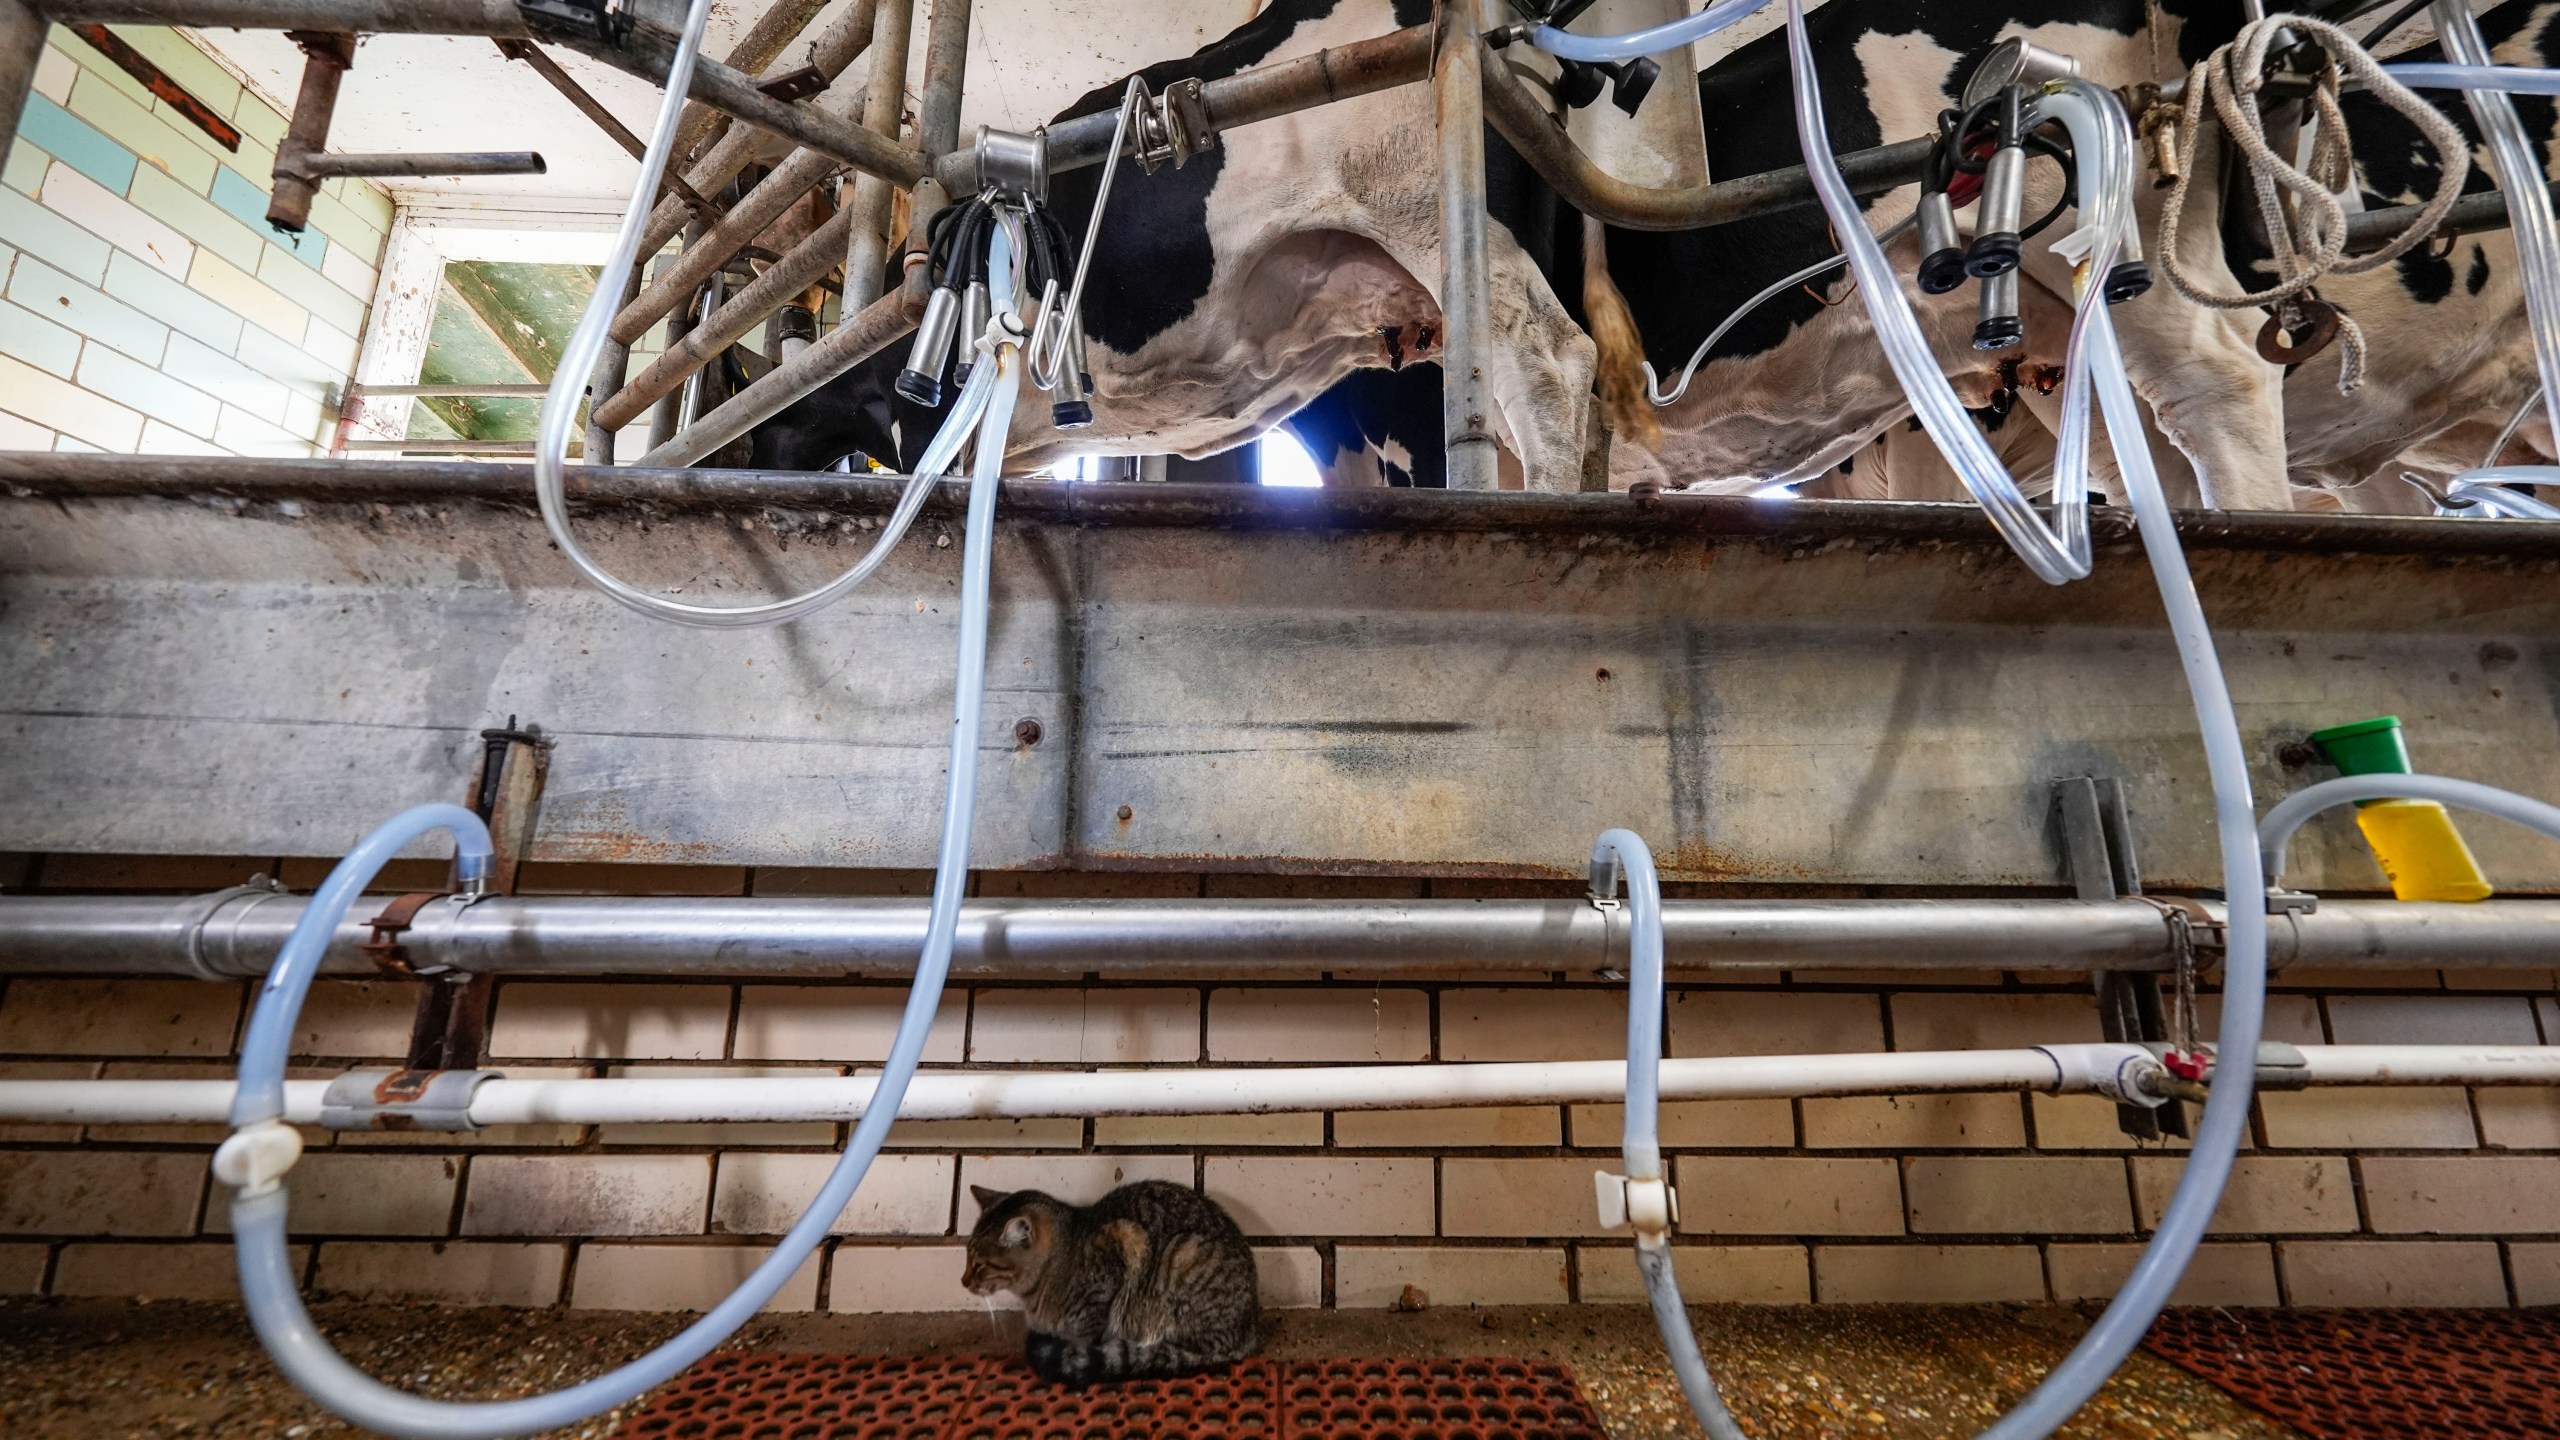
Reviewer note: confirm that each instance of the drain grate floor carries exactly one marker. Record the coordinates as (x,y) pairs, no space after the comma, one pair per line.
(849,1397)
(2379,1374)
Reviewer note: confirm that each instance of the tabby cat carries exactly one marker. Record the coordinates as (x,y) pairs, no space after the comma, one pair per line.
(1153,1279)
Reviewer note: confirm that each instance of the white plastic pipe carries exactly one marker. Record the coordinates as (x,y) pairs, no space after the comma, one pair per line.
(1034,1094)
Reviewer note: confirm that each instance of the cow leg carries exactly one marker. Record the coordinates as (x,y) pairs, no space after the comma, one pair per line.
(2196,370)
(1541,363)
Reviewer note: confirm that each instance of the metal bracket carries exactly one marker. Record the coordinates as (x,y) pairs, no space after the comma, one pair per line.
(1172,126)
(452,1020)
(2098,859)
(402,1099)
(2281,901)
(605,20)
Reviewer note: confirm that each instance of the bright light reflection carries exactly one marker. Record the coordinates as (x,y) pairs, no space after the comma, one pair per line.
(1286,462)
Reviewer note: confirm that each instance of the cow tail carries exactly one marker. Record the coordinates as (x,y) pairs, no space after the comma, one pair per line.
(1620,375)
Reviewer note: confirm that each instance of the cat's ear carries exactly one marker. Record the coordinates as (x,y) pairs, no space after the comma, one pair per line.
(1017,1231)
(986,1198)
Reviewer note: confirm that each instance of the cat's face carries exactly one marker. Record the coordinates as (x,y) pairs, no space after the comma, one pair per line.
(1011,1242)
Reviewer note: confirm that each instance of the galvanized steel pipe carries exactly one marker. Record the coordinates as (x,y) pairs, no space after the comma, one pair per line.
(699,343)
(236,933)
(1466,301)
(858,338)
(646,52)
(835,48)
(946,69)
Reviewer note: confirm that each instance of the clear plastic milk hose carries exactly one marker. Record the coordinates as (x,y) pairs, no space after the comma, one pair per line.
(2091,115)
(258,1213)
(577,362)
(1670,35)
(2524,180)
(258,1157)
(2275,833)
(1624,851)
(2059,553)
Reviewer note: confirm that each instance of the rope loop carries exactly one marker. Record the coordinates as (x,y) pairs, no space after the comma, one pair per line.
(2309,239)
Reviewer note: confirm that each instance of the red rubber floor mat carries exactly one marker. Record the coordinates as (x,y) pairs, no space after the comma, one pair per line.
(851,1397)
(2379,1374)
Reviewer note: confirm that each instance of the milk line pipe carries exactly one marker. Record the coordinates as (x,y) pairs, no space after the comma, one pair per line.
(233,934)
(945,1094)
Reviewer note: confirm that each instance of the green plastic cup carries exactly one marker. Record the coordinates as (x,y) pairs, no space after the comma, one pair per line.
(2367,747)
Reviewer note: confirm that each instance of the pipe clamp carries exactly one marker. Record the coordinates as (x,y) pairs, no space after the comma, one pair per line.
(402,1099)
(2123,1073)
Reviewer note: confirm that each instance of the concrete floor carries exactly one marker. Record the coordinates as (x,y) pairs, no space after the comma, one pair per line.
(87,1370)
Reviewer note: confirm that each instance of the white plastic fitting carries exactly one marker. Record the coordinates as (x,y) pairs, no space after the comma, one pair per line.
(257,1156)
(2123,1073)
(1649,1206)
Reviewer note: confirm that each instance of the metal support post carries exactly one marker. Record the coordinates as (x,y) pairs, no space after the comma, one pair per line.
(21,45)
(946,67)
(1466,318)
(666,419)
(613,368)
(451,1026)
(2097,840)
(866,256)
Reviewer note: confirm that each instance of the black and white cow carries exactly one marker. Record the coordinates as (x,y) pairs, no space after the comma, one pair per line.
(1229,292)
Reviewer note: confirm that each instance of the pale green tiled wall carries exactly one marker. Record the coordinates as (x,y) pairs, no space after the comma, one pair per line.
(147,305)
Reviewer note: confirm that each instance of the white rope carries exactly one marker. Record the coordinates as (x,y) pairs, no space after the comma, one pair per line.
(2310,243)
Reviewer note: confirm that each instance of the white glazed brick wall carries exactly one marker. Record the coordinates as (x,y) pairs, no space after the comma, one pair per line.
(2422,1196)
(145,306)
